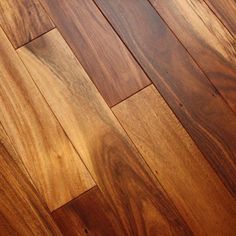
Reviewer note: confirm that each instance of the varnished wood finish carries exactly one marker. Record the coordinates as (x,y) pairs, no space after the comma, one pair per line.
(206,38)
(187,90)
(21,211)
(23,20)
(226,11)
(89,214)
(48,155)
(187,177)
(127,184)
(100,51)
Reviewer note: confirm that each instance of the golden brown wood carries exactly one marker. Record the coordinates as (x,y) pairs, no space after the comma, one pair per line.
(199,106)
(207,40)
(127,184)
(89,214)
(102,54)
(187,177)
(48,155)
(23,20)
(226,11)
(21,211)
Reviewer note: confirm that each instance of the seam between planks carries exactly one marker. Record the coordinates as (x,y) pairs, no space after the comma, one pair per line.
(213,86)
(128,137)
(221,21)
(69,140)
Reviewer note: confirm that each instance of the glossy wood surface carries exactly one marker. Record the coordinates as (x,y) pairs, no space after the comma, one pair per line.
(23,20)
(127,184)
(184,86)
(104,57)
(21,210)
(207,40)
(120,121)
(187,177)
(225,11)
(47,153)
(89,214)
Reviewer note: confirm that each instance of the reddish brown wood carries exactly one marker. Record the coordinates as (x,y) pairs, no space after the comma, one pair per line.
(127,183)
(207,40)
(187,90)
(89,214)
(104,57)
(226,11)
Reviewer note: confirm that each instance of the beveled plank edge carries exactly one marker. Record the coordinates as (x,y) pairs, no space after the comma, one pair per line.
(219,17)
(192,57)
(127,48)
(212,85)
(22,165)
(74,199)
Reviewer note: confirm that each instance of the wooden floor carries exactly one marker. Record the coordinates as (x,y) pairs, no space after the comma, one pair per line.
(118,117)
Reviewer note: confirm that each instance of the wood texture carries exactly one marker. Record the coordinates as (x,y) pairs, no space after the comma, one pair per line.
(54,165)
(134,194)
(21,211)
(178,164)
(104,57)
(207,40)
(186,89)
(23,20)
(89,214)
(226,11)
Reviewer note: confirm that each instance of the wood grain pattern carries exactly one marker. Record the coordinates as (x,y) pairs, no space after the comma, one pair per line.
(134,194)
(226,11)
(207,40)
(55,167)
(23,20)
(89,214)
(186,89)
(21,211)
(104,57)
(178,164)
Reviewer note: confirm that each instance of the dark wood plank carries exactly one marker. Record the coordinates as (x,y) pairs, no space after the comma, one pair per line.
(89,214)
(186,89)
(54,165)
(226,11)
(21,210)
(207,40)
(23,20)
(104,57)
(178,163)
(134,194)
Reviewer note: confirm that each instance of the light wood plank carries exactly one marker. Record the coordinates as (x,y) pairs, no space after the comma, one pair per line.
(226,11)
(200,108)
(54,165)
(89,214)
(21,210)
(134,194)
(207,40)
(103,55)
(23,20)
(183,172)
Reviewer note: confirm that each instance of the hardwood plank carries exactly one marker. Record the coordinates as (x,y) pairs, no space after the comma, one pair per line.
(226,11)
(21,211)
(89,214)
(207,40)
(23,20)
(55,167)
(104,57)
(178,163)
(186,89)
(132,191)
